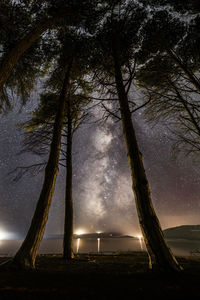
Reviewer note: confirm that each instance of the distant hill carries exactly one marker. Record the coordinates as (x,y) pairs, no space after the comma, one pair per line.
(189,232)
(92,235)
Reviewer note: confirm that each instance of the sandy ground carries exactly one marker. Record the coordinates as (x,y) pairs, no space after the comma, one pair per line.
(120,276)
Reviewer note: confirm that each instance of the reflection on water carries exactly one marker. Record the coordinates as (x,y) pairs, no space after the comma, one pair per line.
(179,247)
(77,245)
(184,247)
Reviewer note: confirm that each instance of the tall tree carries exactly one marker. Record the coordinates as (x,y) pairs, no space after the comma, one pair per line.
(118,40)
(26,255)
(76,98)
(38,136)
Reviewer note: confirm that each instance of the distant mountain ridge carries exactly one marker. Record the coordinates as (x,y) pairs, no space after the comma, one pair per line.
(92,235)
(188,232)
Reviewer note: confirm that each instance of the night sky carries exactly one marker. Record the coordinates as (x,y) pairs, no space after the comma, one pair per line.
(103,199)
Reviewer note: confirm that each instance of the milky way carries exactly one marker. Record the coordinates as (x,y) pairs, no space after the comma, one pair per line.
(103,198)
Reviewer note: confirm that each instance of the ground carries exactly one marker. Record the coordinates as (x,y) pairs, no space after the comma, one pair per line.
(121,276)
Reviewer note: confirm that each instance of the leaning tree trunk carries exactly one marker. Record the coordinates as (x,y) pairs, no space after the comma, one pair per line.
(159,253)
(10,59)
(26,255)
(68,227)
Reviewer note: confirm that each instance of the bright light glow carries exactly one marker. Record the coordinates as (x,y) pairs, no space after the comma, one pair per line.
(99,232)
(80,232)
(2,235)
(5,235)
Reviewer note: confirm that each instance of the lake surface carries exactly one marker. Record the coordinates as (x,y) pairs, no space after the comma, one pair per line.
(104,245)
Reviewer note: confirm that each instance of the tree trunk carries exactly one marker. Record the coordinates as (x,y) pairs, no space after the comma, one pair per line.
(68,227)
(159,253)
(10,59)
(26,255)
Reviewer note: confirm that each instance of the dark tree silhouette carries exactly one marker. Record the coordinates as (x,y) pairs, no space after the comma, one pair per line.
(40,127)
(118,40)
(26,255)
(174,86)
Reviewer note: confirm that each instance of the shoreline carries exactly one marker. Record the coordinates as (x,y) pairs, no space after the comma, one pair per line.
(105,277)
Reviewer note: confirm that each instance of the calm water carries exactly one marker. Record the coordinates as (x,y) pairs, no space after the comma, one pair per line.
(106,245)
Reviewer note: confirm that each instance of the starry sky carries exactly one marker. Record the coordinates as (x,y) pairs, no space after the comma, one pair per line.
(102,194)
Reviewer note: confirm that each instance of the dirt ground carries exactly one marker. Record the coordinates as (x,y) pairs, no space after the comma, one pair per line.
(120,276)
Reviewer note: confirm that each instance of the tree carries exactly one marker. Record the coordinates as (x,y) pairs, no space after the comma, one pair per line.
(76,98)
(174,86)
(73,116)
(39,133)
(174,101)
(55,14)
(118,40)
(26,255)
(167,34)
(10,59)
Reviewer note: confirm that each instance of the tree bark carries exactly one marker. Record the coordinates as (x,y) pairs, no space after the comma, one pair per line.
(68,227)
(10,59)
(160,256)
(26,255)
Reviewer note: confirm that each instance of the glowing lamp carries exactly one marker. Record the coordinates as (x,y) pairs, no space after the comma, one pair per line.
(4,235)
(79,232)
